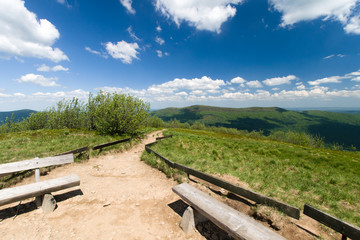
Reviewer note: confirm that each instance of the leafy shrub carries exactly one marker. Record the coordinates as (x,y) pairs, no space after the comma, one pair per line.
(299,138)
(198,125)
(155,122)
(107,113)
(174,123)
(67,114)
(116,113)
(36,121)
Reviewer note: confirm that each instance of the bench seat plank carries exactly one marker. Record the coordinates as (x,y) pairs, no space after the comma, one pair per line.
(237,224)
(13,167)
(19,193)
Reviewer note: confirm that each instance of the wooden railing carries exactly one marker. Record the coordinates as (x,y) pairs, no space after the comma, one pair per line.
(254,196)
(346,229)
(97,147)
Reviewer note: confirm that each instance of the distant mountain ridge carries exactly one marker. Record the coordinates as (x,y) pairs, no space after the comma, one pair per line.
(335,127)
(18,115)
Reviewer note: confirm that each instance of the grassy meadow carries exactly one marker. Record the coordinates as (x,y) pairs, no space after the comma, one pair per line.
(327,179)
(45,143)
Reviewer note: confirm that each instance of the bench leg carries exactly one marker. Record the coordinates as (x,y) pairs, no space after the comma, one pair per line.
(48,203)
(190,219)
(38,200)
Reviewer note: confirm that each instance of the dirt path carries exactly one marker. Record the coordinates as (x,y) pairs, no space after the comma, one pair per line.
(122,198)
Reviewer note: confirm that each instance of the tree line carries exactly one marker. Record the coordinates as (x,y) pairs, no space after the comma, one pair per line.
(107,113)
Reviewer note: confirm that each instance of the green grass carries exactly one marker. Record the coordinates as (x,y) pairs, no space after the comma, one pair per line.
(44,143)
(327,179)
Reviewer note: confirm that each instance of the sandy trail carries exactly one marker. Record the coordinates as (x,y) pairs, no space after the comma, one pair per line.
(123,198)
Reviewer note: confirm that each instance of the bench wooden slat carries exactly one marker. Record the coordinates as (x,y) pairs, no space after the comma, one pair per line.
(13,167)
(15,194)
(237,224)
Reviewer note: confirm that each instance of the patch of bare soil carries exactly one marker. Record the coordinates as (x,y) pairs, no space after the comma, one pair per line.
(121,197)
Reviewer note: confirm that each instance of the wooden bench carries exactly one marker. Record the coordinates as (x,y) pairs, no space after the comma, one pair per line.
(237,224)
(37,189)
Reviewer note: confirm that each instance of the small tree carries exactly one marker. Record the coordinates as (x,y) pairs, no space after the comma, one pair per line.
(116,113)
(36,121)
(155,121)
(67,114)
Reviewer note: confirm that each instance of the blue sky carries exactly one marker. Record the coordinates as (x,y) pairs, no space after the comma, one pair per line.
(231,53)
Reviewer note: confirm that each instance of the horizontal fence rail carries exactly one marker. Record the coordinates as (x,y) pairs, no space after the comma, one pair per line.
(346,229)
(168,136)
(256,197)
(110,143)
(78,150)
(84,149)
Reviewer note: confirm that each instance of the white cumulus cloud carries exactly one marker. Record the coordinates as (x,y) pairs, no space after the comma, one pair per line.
(45,68)
(353,26)
(122,50)
(356,79)
(238,80)
(279,80)
(333,79)
(22,34)
(202,14)
(204,83)
(59,68)
(38,80)
(128,5)
(301,87)
(183,84)
(344,11)
(254,84)
(354,74)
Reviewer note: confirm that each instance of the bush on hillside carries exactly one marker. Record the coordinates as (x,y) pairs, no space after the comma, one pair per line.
(37,121)
(299,138)
(116,113)
(67,114)
(106,113)
(155,121)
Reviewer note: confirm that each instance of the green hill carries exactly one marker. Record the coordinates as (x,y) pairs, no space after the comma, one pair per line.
(18,115)
(334,127)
